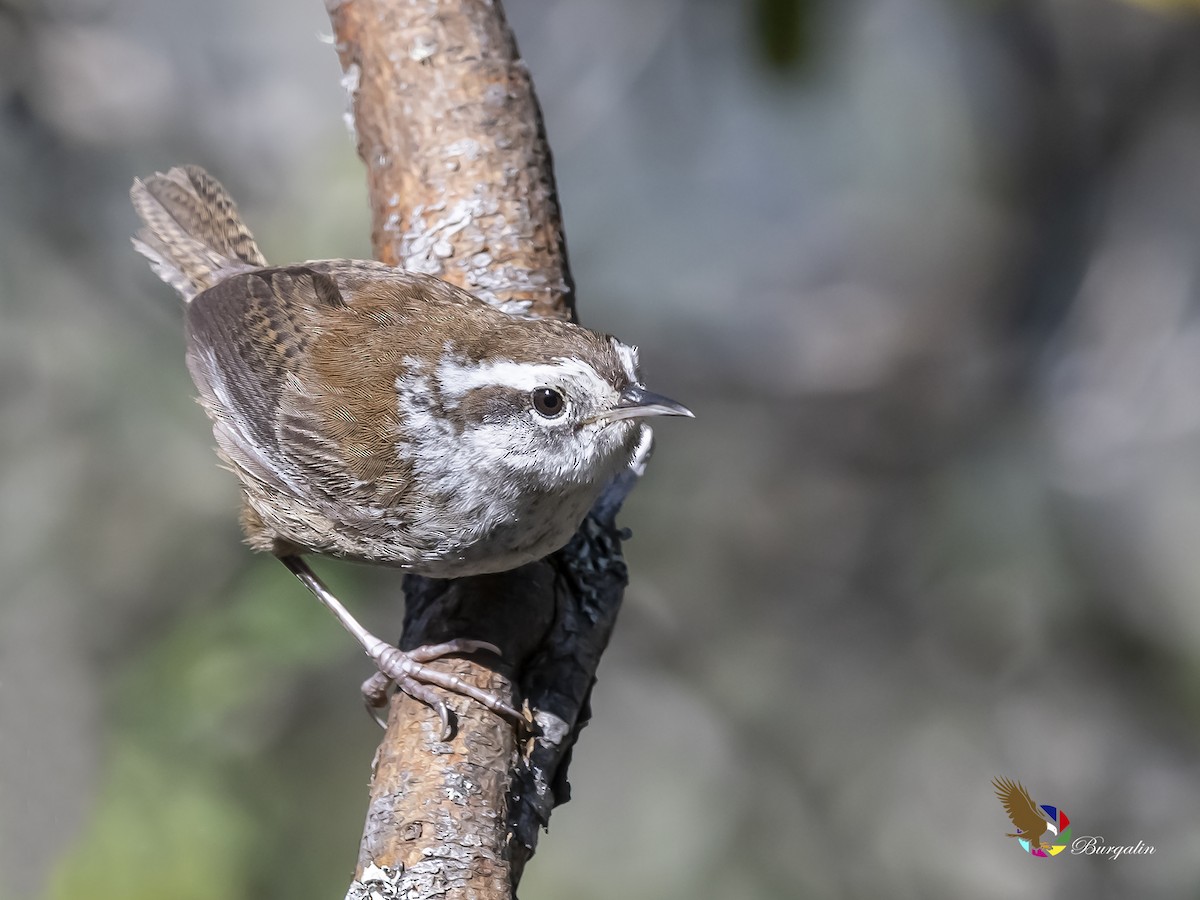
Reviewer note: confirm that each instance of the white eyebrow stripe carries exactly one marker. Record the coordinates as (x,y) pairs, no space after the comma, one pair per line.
(457,378)
(629,358)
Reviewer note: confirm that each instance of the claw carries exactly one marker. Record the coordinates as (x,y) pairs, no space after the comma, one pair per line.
(409,672)
(376,716)
(375,697)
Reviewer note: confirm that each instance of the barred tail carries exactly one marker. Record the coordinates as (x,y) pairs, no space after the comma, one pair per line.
(193,235)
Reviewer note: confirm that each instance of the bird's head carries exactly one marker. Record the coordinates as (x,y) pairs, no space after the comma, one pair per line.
(545,404)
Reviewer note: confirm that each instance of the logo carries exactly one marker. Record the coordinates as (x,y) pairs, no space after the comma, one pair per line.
(1041,830)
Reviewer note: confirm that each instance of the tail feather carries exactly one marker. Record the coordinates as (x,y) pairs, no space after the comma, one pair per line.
(193,235)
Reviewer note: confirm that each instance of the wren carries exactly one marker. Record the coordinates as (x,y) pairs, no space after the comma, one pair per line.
(389,417)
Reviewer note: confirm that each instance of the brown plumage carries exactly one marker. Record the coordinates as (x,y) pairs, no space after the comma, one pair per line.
(385,416)
(298,368)
(1024,813)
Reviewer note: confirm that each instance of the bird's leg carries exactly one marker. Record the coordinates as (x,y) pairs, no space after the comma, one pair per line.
(407,670)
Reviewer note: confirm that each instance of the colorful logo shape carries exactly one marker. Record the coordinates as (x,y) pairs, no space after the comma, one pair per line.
(1041,830)
(1059,827)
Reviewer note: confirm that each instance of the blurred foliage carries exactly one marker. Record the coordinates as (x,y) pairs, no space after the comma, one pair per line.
(936,309)
(195,788)
(1190,5)
(785,31)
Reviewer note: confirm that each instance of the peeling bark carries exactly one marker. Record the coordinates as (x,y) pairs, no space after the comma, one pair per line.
(461,187)
(458,166)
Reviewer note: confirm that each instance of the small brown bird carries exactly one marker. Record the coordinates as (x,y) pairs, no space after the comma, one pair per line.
(388,417)
(1030,822)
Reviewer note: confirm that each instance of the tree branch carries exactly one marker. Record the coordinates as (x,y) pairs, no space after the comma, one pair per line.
(461,187)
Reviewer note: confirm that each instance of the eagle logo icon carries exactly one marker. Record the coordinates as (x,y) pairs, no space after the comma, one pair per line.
(1041,830)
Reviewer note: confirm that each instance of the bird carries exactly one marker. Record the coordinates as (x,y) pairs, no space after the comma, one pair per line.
(389,417)
(1029,821)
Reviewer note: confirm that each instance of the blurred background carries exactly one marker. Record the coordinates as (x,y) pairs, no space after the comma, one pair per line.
(928,272)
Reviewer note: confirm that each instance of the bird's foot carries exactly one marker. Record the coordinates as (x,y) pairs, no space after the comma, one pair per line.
(409,672)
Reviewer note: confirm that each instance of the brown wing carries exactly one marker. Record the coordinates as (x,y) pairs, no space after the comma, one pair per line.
(300,383)
(1020,806)
(247,339)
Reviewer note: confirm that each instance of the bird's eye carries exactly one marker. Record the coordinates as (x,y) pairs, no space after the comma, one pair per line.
(549,402)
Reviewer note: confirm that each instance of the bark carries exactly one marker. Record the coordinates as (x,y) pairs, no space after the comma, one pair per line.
(461,186)
(457,162)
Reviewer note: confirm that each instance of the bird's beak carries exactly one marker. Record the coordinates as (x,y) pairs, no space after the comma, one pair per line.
(636,402)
